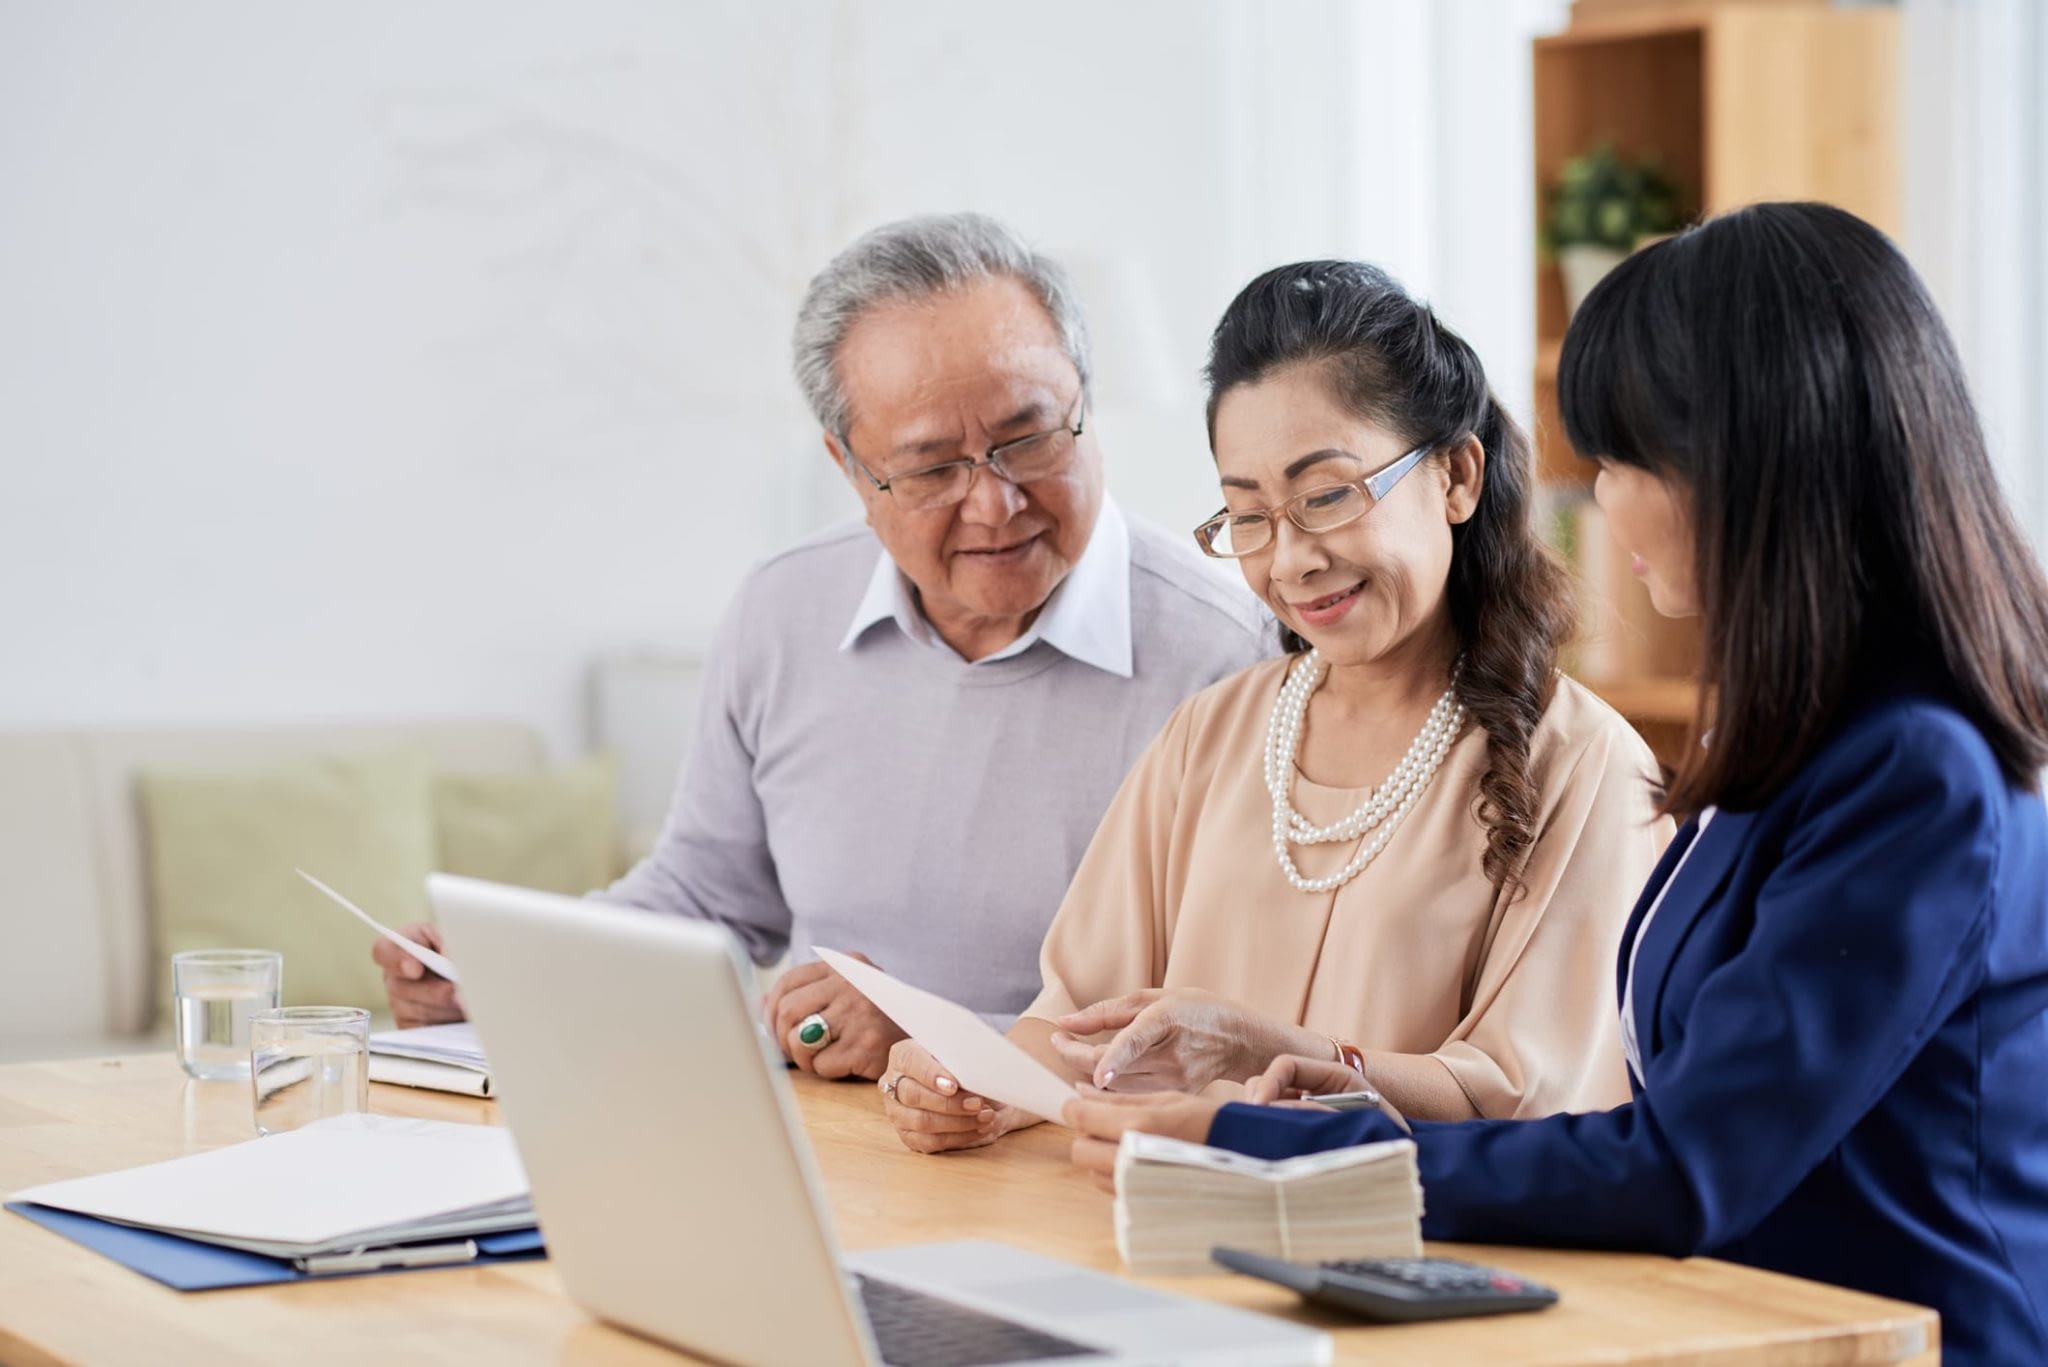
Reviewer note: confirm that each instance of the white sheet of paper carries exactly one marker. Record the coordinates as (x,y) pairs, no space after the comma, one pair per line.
(1137,1146)
(319,1182)
(977,1056)
(454,1042)
(438,963)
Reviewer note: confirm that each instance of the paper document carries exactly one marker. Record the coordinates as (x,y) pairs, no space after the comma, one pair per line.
(443,1058)
(975,1054)
(336,1184)
(455,1043)
(398,1070)
(438,963)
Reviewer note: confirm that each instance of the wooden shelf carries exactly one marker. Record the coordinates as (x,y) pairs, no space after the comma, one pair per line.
(1660,709)
(1669,702)
(1593,26)
(1557,465)
(1739,100)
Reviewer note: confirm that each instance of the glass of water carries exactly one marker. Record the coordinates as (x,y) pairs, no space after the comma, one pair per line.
(306,1062)
(216,991)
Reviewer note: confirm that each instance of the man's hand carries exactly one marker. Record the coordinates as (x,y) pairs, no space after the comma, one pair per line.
(861,1035)
(418,995)
(1100,1119)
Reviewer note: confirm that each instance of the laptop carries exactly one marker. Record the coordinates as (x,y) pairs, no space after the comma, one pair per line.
(673,1181)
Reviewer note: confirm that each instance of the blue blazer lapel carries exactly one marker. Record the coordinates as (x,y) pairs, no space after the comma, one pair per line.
(1659,876)
(1690,892)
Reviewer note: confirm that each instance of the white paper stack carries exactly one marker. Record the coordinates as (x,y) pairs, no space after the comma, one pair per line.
(446,1058)
(343,1183)
(1175,1201)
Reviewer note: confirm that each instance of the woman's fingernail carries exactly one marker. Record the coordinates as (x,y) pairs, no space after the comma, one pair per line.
(946,1085)
(1108,1078)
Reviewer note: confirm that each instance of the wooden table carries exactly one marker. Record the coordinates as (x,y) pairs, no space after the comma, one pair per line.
(61,1303)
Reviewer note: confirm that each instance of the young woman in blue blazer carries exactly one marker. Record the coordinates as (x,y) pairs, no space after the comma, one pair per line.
(1835,987)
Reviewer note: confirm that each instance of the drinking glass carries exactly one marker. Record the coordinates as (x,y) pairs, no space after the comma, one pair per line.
(306,1062)
(215,992)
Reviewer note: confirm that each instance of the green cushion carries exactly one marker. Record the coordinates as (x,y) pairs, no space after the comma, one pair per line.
(223,849)
(548,829)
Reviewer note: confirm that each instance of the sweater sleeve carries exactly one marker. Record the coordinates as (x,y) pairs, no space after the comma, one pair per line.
(712,859)
(1867,934)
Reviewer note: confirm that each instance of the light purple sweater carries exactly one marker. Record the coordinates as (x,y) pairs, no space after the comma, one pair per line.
(893,799)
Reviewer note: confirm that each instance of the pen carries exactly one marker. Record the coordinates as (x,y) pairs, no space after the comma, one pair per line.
(380,1259)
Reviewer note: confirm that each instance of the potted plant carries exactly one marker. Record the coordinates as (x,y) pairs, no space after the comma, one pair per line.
(1601,209)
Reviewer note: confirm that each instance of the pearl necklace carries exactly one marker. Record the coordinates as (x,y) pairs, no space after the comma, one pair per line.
(1387,805)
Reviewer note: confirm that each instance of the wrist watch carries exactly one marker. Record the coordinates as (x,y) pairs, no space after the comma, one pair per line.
(1350,1055)
(1363,1097)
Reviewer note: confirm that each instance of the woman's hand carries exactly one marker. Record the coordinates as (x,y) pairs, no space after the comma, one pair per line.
(1173,1040)
(931,1113)
(1292,1077)
(1099,1122)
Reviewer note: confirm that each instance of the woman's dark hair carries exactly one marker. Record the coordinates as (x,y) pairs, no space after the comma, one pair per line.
(1785,368)
(1387,359)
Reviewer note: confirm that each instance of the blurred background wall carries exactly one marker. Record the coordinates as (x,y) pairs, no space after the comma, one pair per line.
(402,359)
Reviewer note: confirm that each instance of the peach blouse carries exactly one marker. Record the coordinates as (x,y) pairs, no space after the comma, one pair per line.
(1416,955)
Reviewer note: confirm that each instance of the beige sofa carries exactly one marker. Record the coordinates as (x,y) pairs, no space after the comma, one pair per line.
(76,973)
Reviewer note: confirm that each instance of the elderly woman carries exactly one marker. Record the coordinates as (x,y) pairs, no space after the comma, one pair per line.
(1410,844)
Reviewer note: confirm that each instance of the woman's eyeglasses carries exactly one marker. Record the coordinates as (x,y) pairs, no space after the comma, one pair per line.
(1229,535)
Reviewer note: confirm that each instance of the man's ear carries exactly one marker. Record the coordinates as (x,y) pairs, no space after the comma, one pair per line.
(861,486)
(838,455)
(1467,480)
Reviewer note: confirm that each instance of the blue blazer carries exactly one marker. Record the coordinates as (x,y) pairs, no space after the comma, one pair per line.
(1842,1007)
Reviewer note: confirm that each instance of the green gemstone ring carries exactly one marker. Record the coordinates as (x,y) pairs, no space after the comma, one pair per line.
(813,1031)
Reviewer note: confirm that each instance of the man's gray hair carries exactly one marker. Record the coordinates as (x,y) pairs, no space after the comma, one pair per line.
(915,258)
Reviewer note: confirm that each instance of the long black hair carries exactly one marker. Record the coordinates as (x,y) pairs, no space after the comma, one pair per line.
(1784,366)
(1387,358)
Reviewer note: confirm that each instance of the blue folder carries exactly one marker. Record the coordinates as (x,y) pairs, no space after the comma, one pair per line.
(191,1265)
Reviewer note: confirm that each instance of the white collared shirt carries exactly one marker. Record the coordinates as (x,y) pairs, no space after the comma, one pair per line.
(1628,990)
(1087,617)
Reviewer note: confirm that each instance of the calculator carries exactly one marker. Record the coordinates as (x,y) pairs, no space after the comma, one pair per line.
(1397,1290)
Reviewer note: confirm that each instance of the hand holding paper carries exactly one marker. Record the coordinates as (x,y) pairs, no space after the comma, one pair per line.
(439,963)
(979,1056)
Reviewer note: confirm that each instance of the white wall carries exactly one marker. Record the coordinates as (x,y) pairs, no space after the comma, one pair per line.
(400,359)
(1976,113)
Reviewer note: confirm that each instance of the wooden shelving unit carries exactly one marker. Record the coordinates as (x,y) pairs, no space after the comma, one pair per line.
(1741,100)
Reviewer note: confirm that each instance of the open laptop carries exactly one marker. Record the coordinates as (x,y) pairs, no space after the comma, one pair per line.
(677,1193)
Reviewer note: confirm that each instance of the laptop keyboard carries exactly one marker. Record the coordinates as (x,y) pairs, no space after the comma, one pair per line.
(916,1330)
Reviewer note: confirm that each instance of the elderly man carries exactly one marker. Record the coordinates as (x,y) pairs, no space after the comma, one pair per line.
(911,728)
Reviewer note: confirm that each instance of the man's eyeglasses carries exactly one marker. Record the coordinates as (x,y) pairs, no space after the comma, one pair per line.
(1229,535)
(1038,456)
